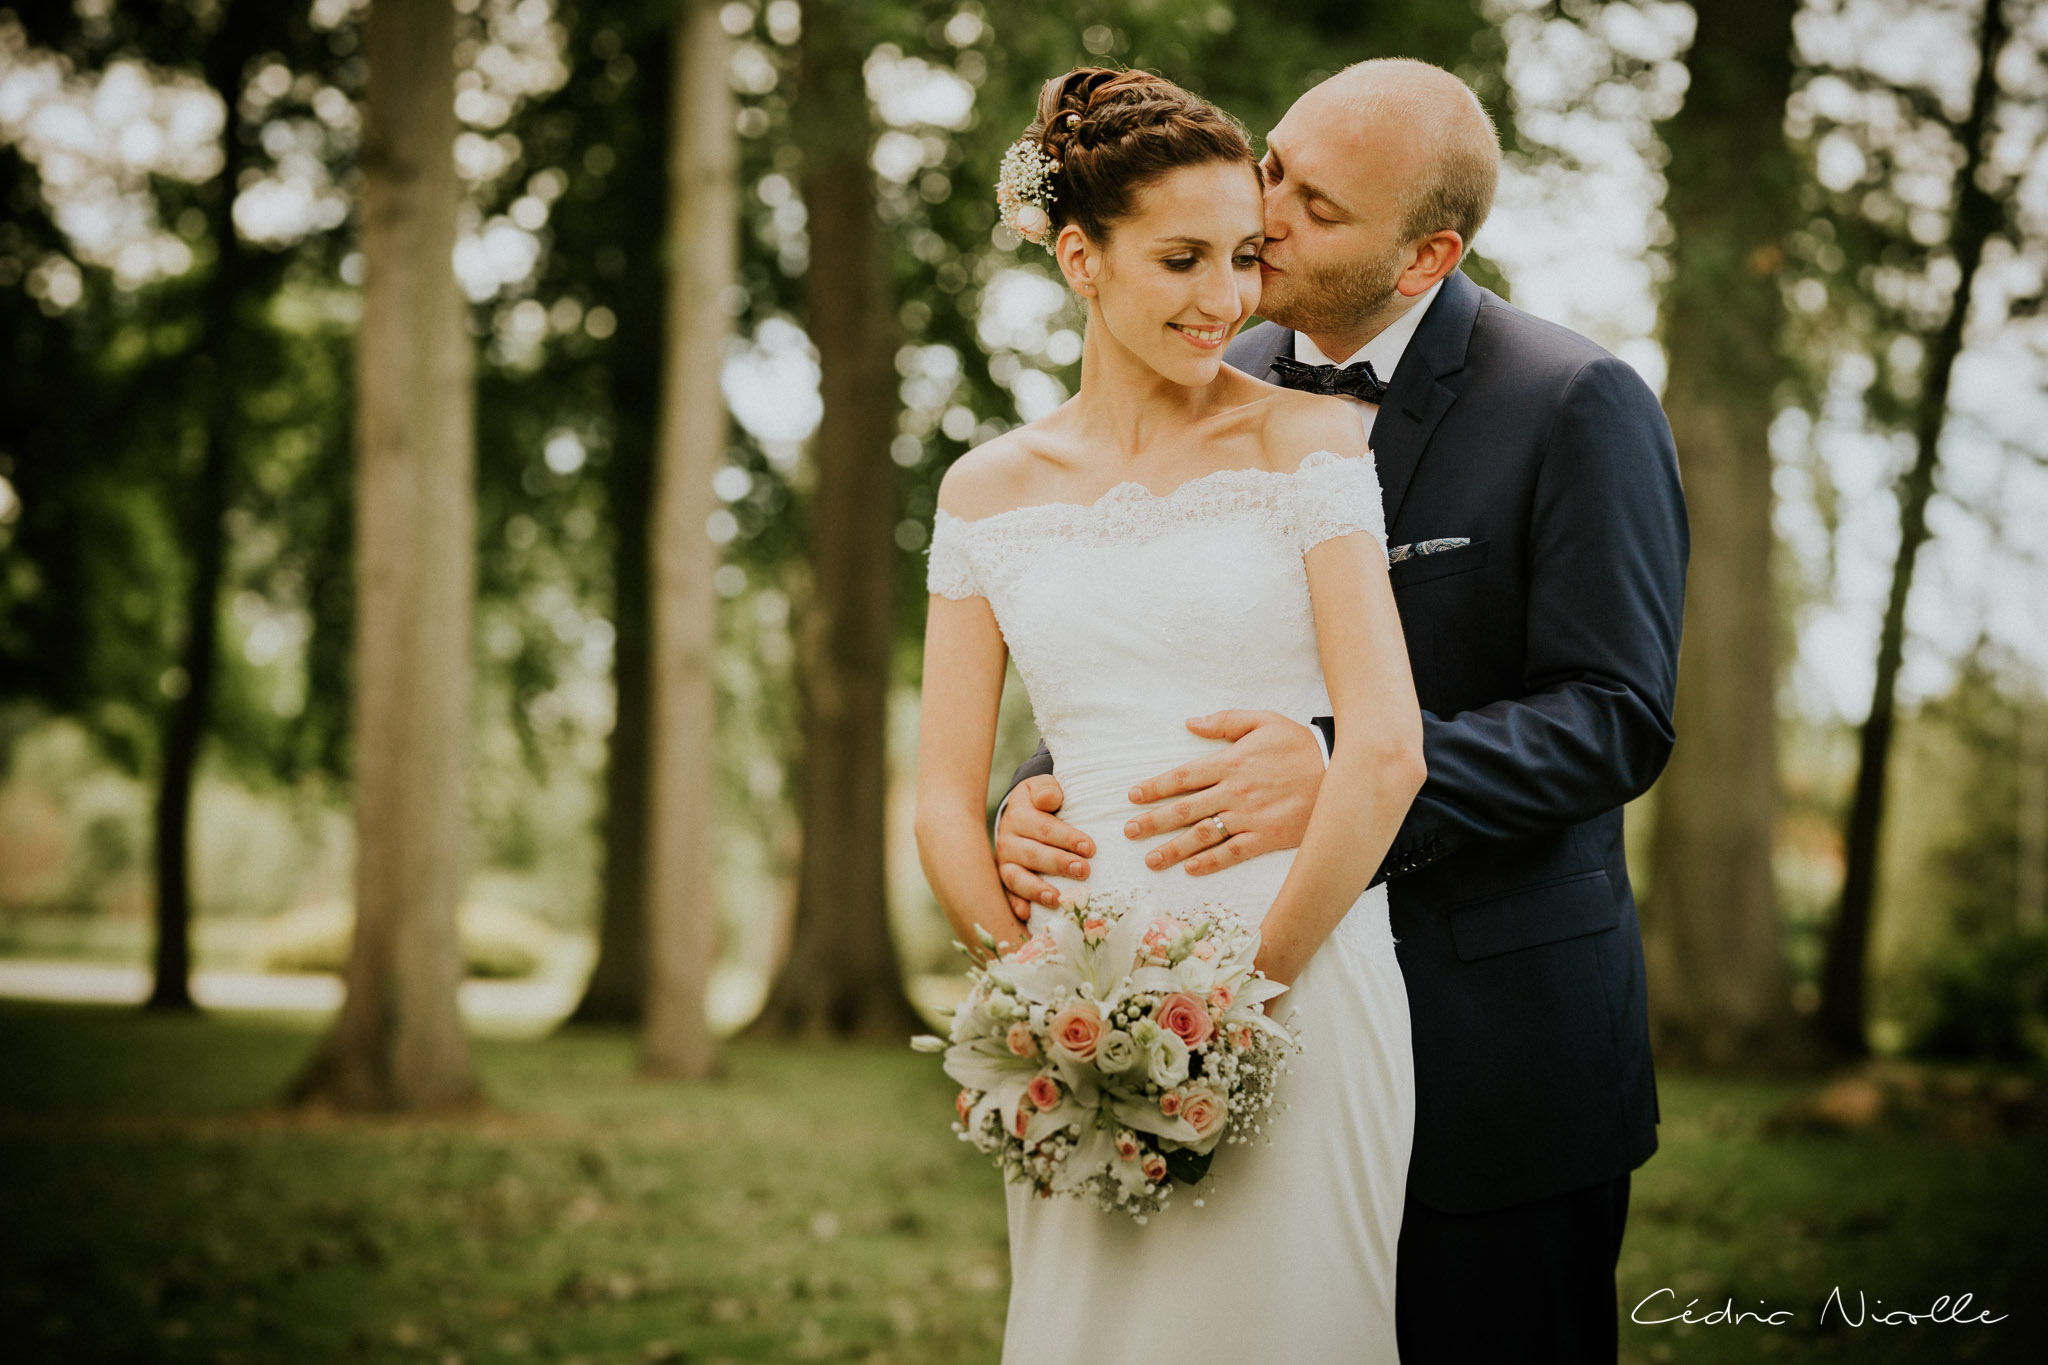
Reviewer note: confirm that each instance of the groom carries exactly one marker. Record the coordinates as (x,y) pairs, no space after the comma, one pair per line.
(1539,543)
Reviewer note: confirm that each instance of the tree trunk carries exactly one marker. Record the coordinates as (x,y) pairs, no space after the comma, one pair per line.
(186,718)
(702,261)
(841,978)
(1719,991)
(1845,970)
(233,41)
(617,990)
(399,1042)
(2030,894)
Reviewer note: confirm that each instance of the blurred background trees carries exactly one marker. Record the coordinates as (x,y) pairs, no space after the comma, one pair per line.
(1719,989)
(1769,208)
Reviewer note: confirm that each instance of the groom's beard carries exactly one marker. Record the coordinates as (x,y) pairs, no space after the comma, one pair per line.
(1350,299)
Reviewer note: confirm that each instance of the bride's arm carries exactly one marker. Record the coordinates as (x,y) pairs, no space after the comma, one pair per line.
(1374,774)
(964,656)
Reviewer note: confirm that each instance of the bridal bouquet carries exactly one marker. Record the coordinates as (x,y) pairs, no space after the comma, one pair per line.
(1109,1055)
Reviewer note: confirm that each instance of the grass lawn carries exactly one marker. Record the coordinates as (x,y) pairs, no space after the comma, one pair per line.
(810,1205)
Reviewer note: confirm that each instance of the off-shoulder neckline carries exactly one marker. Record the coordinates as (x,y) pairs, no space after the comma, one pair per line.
(1134,491)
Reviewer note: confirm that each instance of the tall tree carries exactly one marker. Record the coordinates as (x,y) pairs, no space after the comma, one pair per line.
(702,253)
(841,977)
(399,1042)
(1978,215)
(236,287)
(623,226)
(1719,991)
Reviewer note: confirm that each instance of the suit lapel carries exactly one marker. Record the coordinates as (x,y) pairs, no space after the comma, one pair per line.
(1254,352)
(1416,400)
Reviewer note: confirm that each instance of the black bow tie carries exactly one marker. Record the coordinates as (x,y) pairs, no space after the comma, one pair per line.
(1356,380)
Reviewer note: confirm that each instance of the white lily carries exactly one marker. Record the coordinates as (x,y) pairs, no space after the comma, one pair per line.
(1045,1122)
(976,1069)
(1093,1149)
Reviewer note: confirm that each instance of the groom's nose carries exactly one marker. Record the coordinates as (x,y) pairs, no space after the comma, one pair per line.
(1276,221)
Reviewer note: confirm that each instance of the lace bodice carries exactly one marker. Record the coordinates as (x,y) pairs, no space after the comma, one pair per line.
(1130,614)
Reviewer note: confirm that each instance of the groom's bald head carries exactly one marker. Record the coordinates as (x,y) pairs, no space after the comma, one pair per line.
(1429,119)
(1376,182)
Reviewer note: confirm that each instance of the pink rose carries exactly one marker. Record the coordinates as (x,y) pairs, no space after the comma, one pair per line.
(1020,1040)
(1043,1092)
(1155,1166)
(1186,1017)
(1221,997)
(1242,1038)
(1094,929)
(1032,223)
(1032,947)
(1077,1028)
(1162,931)
(1127,1145)
(1169,1103)
(1205,950)
(963,1104)
(1204,1111)
(1023,1118)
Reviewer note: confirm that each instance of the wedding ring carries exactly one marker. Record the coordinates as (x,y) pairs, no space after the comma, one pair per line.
(1221,832)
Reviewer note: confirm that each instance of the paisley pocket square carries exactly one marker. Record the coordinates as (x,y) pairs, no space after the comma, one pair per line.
(1425,547)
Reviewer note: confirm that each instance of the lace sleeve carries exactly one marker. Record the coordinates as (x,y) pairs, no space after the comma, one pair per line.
(951,571)
(1339,495)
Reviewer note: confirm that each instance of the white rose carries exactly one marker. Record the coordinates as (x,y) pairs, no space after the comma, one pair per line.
(1168,1064)
(1032,222)
(1116,1051)
(1195,976)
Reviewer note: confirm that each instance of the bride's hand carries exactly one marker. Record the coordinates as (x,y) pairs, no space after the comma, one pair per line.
(1264,786)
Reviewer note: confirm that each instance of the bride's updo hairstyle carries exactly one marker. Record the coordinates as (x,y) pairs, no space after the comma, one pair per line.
(1115,133)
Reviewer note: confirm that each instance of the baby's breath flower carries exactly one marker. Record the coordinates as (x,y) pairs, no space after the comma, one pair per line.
(1024,191)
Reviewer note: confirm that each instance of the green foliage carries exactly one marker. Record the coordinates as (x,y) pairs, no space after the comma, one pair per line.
(1984,995)
(1870,270)
(1981,989)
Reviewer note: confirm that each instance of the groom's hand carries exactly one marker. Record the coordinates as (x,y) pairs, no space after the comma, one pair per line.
(1264,786)
(1033,842)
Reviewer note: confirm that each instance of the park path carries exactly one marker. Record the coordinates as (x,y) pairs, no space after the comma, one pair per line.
(516,1005)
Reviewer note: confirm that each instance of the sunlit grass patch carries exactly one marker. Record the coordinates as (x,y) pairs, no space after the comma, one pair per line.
(811,1204)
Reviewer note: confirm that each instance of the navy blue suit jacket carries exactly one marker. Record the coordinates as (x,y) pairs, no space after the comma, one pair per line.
(1545,656)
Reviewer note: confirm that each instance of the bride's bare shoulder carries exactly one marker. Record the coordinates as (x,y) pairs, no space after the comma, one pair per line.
(1298,423)
(997,475)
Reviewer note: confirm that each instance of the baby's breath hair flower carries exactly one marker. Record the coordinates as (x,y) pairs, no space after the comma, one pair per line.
(1024,191)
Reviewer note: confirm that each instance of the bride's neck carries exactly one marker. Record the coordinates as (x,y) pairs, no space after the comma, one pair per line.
(1127,405)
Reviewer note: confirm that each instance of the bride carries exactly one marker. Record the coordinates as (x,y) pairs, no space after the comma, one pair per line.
(1178,539)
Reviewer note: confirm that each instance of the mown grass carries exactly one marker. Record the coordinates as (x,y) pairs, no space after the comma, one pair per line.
(809,1205)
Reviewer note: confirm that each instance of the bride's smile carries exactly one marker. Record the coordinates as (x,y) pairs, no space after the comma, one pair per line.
(1175,279)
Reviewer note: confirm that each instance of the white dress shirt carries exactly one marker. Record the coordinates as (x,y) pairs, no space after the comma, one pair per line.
(1384,351)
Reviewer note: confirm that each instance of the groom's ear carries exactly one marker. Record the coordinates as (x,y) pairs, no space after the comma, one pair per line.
(1436,256)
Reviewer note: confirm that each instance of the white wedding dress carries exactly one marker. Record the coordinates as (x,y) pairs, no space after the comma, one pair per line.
(1127,617)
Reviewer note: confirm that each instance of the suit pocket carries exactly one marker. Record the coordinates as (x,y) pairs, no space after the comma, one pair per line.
(1442,564)
(1527,918)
